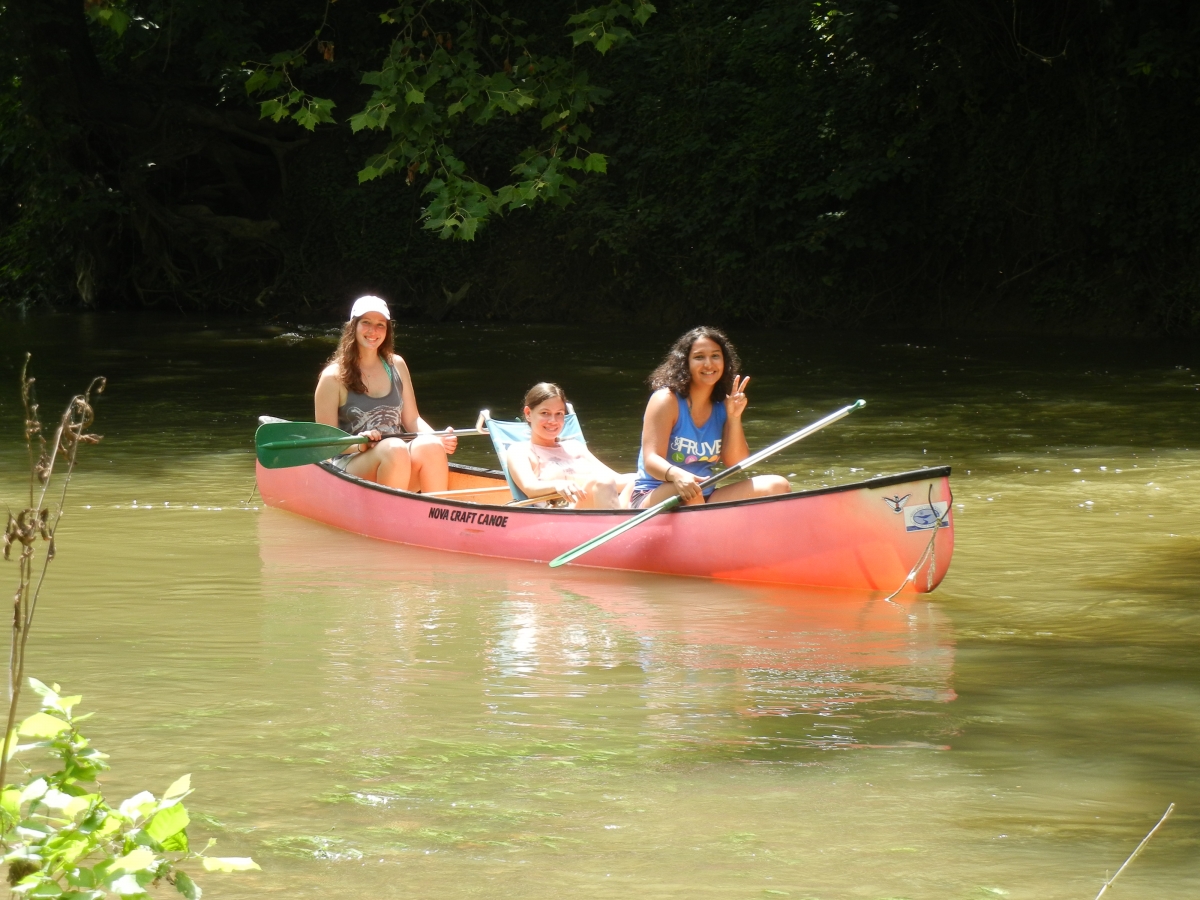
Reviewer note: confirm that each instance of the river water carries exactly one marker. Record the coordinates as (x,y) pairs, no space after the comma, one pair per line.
(369,720)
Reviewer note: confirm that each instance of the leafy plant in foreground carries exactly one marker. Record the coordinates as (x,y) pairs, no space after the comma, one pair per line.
(61,837)
(65,840)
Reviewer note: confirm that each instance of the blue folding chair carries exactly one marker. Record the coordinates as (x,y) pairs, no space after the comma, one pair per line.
(505,434)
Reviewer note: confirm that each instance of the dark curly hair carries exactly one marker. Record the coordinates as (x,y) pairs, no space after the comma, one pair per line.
(673,371)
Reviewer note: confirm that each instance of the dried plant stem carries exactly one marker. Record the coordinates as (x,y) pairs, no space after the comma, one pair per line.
(36,522)
(1136,851)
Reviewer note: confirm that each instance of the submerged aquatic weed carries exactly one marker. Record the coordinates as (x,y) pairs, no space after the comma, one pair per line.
(313,847)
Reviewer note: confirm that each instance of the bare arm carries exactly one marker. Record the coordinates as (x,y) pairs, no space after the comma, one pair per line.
(733,439)
(331,394)
(661,414)
(328,397)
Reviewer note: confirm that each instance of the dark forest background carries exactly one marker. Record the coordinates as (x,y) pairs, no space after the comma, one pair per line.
(1014,164)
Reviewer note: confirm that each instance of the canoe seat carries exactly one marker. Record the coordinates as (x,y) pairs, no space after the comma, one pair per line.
(504,434)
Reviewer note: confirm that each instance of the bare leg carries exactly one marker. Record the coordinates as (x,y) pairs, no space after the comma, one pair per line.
(625,486)
(662,492)
(387,463)
(602,493)
(430,468)
(758,486)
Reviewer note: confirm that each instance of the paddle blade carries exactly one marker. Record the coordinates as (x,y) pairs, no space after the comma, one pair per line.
(586,546)
(274,443)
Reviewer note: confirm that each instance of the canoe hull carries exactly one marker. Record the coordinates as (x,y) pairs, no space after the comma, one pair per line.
(850,536)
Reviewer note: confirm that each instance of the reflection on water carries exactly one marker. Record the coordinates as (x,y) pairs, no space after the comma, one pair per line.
(803,669)
(372,720)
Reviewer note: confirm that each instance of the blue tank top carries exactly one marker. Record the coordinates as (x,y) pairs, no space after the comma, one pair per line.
(689,447)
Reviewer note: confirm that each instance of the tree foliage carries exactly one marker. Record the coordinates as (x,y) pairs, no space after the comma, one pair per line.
(773,160)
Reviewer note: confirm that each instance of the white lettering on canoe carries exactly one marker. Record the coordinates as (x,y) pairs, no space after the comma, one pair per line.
(468,516)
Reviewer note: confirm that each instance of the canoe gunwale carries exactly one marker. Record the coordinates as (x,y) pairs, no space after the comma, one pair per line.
(867,484)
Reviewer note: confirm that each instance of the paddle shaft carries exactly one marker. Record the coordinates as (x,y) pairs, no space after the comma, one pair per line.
(671,502)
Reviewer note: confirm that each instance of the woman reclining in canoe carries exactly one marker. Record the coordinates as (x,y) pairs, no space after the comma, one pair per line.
(694,419)
(544,464)
(366,387)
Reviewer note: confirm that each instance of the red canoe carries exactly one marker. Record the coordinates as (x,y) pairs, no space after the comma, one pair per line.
(866,535)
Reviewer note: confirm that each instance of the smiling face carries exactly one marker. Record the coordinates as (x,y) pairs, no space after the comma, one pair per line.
(370,331)
(706,362)
(546,420)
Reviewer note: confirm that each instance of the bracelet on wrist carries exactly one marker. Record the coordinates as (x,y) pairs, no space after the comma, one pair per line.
(668,473)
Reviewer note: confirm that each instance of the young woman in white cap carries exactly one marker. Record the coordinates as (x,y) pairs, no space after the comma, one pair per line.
(366,387)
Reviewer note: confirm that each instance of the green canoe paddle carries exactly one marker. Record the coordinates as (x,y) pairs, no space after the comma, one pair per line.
(281,445)
(672,502)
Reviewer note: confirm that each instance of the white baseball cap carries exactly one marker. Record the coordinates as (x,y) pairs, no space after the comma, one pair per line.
(369,303)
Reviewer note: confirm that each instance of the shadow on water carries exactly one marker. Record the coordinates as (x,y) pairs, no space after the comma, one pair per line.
(1170,573)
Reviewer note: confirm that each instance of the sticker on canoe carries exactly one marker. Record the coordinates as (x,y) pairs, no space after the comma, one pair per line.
(897,502)
(468,516)
(922,518)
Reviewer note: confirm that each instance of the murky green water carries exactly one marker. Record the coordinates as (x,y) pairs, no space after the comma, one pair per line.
(376,721)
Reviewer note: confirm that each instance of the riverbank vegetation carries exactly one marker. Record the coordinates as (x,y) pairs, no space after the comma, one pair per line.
(60,836)
(1020,165)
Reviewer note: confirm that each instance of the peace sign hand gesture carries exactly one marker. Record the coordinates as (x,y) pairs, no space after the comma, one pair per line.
(735,403)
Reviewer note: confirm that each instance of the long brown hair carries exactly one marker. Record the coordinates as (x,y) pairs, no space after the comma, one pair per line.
(543,391)
(346,355)
(673,371)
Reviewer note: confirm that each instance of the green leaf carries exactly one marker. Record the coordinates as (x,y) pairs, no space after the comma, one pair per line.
(595,162)
(177,843)
(117,21)
(140,804)
(322,108)
(42,725)
(42,689)
(644,11)
(455,108)
(229,864)
(187,887)
(179,787)
(256,80)
(10,802)
(137,860)
(305,117)
(129,885)
(167,823)
(414,97)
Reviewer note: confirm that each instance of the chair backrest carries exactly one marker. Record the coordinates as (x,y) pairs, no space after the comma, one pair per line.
(505,434)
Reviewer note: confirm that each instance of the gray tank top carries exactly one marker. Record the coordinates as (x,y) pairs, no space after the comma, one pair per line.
(362,412)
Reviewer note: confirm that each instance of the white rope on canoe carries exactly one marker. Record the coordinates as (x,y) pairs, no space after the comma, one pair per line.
(930,553)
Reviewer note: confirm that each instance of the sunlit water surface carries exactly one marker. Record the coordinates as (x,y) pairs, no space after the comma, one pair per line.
(369,720)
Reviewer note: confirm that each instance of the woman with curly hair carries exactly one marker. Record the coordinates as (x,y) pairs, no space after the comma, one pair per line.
(365,386)
(694,419)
